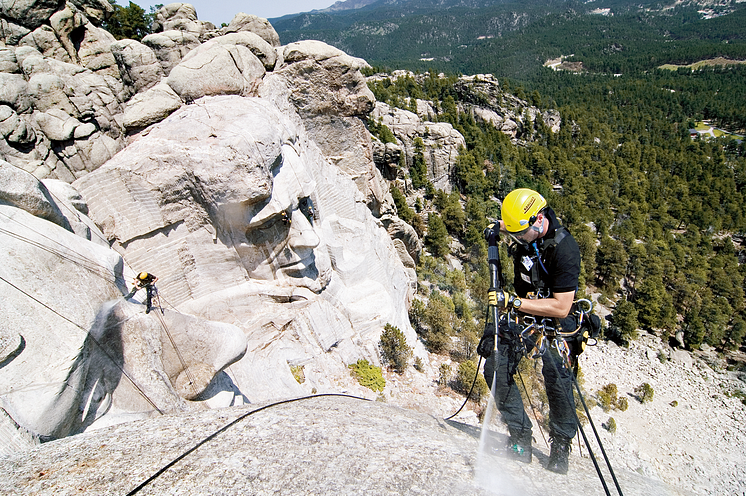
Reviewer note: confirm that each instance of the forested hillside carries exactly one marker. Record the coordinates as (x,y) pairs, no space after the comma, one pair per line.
(514,39)
(659,217)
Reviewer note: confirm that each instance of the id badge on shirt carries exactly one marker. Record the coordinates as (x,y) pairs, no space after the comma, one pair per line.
(528,264)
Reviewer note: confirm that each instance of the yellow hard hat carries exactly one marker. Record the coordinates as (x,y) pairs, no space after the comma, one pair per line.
(142,275)
(520,208)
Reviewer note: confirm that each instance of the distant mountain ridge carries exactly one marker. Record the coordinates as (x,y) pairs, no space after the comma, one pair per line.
(347,5)
(462,35)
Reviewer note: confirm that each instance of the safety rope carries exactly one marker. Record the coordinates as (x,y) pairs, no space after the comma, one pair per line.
(568,395)
(93,267)
(190,377)
(96,269)
(225,428)
(533,409)
(89,335)
(598,438)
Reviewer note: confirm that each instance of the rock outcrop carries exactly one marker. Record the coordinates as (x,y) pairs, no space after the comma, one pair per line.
(228,199)
(72,348)
(324,445)
(244,221)
(479,96)
(440,143)
(239,171)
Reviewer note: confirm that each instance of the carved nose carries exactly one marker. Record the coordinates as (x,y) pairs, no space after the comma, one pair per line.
(302,233)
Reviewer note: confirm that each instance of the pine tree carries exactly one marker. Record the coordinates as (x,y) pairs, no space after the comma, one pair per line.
(436,239)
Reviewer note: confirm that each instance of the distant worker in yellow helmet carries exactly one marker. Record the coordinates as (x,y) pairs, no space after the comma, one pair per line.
(546,261)
(147,280)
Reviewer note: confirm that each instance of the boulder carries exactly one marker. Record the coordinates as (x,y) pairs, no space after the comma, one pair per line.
(172,13)
(170,47)
(138,66)
(682,357)
(150,107)
(183,17)
(401,231)
(23,191)
(56,124)
(48,91)
(45,40)
(30,13)
(95,53)
(214,68)
(64,23)
(38,159)
(251,23)
(84,155)
(263,50)
(14,92)
(8,61)
(95,11)
(12,33)
(325,80)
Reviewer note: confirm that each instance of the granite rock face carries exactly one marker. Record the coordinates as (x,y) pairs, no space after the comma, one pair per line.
(72,348)
(440,142)
(66,83)
(244,221)
(323,445)
(258,236)
(239,171)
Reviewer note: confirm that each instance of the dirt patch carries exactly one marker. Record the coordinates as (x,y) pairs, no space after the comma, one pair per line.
(718,61)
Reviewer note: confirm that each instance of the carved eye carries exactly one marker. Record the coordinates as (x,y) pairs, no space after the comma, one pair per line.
(272,230)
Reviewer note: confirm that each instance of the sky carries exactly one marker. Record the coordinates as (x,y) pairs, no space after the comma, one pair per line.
(222,11)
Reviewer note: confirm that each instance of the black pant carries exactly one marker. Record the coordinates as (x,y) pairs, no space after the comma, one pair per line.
(151,292)
(557,381)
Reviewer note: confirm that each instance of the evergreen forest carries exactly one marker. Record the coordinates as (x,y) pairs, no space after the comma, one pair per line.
(659,215)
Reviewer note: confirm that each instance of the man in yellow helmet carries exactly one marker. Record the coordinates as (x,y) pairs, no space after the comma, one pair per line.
(147,280)
(546,261)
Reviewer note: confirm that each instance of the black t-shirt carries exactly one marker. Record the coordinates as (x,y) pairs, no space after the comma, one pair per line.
(558,266)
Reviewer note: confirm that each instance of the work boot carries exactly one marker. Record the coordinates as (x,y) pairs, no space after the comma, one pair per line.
(519,447)
(559,455)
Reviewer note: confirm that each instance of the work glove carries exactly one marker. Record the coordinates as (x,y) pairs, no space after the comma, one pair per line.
(500,299)
(487,343)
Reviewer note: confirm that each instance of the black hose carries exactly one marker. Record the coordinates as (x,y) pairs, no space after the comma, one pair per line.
(470,390)
(225,428)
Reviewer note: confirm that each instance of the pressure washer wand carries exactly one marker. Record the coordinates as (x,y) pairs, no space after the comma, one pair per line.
(492,235)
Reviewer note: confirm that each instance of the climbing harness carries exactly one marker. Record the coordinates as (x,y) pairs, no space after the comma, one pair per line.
(537,335)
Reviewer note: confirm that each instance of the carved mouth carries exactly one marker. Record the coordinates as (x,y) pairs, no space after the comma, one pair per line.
(298,265)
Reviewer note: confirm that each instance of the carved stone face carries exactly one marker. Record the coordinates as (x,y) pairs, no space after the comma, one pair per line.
(280,239)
